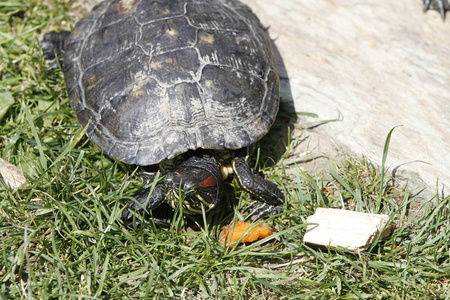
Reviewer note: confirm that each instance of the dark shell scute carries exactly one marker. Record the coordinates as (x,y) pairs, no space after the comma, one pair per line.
(167,35)
(186,105)
(116,12)
(105,83)
(220,17)
(108,41)
(234,104)
(142,113)
(173,67)
(154,11)
(245,55)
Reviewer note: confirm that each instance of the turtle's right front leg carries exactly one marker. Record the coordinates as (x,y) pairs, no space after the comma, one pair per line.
(143,204)
(268,195)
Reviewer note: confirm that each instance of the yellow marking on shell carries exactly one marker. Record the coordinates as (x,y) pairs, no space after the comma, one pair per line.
(171,32)
(137,91)
(125,7)
(226,170)
(91,79)
(206,38)
(241,39)
(155,65)
(210,84)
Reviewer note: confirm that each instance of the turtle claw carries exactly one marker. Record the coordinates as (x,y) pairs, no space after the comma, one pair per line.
(136,222)
(261,210)
(442,6)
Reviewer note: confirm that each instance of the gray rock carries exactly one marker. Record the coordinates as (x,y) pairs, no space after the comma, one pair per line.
(377,64)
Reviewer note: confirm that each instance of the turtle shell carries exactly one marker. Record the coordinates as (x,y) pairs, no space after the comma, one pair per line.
(154,79)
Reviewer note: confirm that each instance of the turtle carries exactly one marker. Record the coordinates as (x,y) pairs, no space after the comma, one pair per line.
(186,87)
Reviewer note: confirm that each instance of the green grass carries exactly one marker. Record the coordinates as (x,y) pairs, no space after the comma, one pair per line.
(61,234)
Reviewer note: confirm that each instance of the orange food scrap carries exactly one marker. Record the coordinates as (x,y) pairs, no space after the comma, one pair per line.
(230,234)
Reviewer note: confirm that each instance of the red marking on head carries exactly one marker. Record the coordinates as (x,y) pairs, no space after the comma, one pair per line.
(210,181)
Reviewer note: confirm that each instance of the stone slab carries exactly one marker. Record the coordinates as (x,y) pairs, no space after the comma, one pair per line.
(375,64)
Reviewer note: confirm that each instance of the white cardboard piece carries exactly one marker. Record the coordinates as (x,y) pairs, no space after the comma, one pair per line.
(11,175)
(352,230)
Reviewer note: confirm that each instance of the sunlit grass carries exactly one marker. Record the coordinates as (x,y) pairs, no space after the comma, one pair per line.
(62,237)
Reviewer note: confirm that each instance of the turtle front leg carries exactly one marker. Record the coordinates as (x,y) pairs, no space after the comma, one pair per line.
(268,195)
(145,202)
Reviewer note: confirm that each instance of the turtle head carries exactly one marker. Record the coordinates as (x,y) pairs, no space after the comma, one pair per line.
(198,182)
